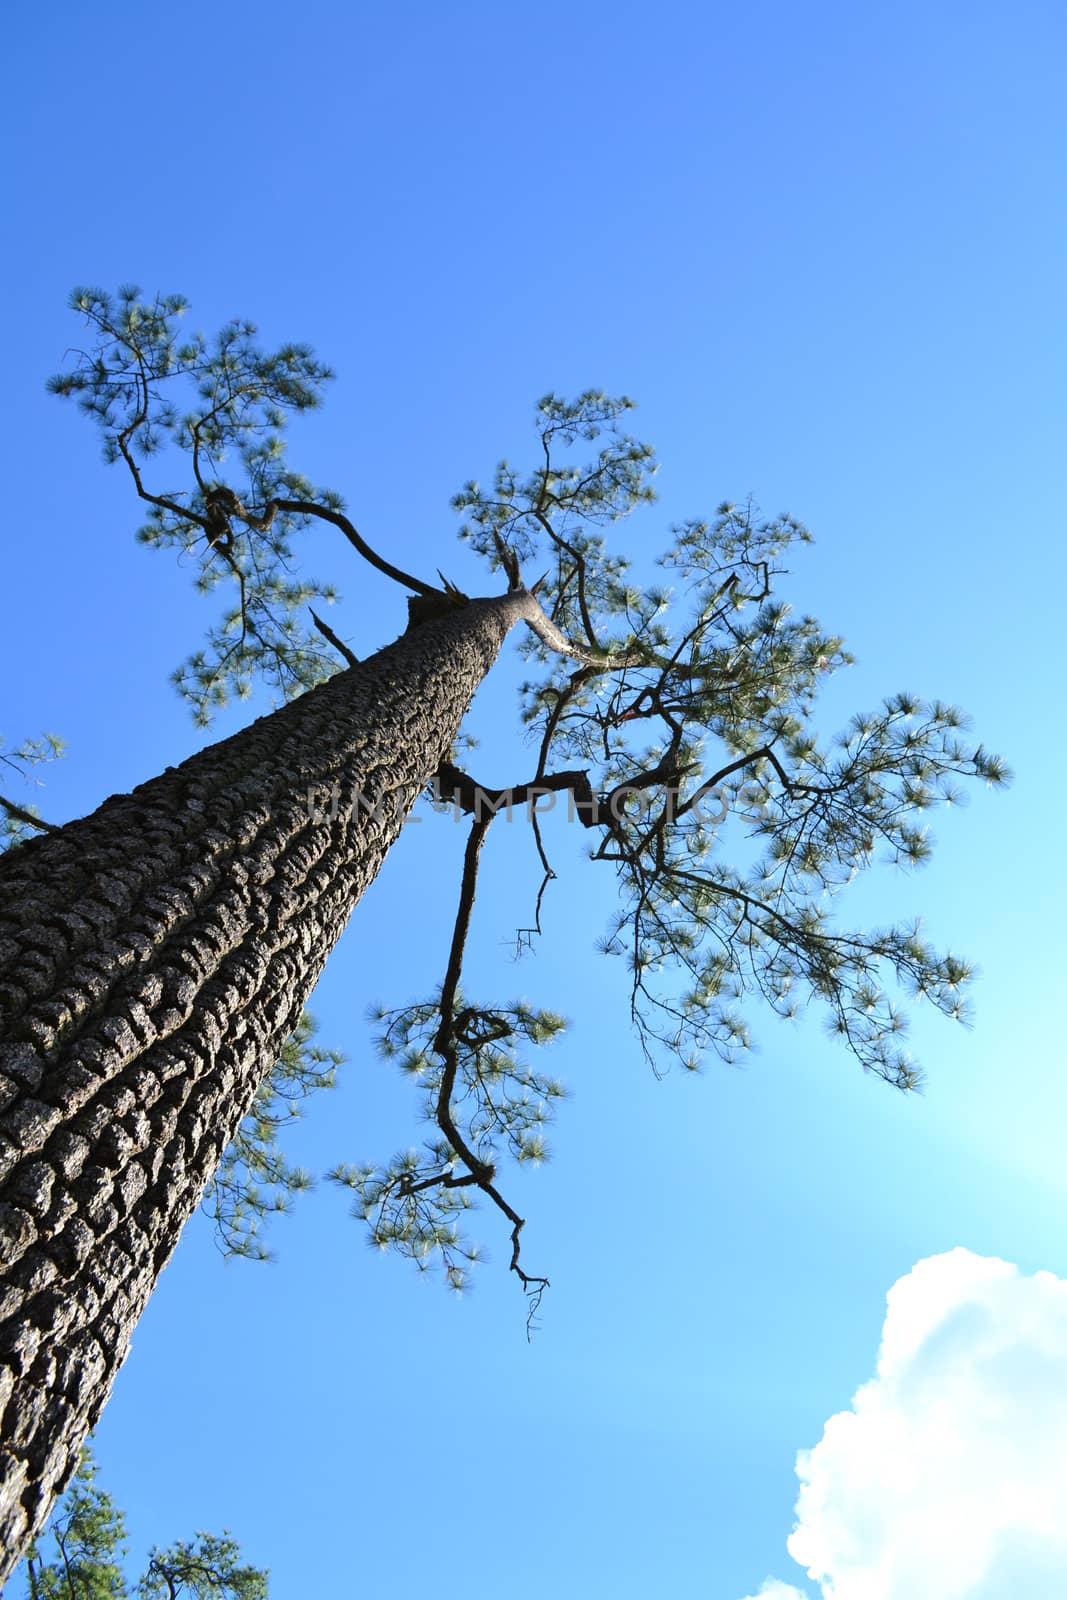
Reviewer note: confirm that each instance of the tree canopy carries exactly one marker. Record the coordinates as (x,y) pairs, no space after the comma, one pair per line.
(678,714)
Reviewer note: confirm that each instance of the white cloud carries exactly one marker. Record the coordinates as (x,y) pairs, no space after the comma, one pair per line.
(773,1590)
(947,1478)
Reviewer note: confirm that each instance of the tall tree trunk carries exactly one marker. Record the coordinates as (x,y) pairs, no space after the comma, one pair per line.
(153,959)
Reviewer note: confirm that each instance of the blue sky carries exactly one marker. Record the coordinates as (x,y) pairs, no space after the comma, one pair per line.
(823,248)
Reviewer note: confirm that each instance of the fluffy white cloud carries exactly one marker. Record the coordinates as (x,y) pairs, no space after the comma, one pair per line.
(947,1479)
(773,1590)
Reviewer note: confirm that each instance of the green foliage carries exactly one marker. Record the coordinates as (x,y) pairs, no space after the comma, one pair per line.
(80,1556)
(87,1537)
(254,1180)
(703,711)
(16,817)
(223,404)
(686,706)
(498,1104)
(208,1567)
(569,502)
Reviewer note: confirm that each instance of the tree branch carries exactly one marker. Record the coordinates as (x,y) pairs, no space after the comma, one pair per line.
(481,1173)
(475,799)
(338,644)
(311,508)
(21,815)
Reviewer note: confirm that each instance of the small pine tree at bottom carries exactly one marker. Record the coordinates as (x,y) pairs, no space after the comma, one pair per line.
(78,1557)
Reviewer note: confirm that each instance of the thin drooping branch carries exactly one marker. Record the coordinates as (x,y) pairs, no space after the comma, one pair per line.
(446,1044)
(592,809)
(454,970)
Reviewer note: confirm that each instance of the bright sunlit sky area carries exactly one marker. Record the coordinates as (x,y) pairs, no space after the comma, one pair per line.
(823,248)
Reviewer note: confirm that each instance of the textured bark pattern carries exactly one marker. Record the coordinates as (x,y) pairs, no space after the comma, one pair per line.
(153,958)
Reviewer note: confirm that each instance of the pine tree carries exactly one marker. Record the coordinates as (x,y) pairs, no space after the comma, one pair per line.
(155,956)
(80,1556)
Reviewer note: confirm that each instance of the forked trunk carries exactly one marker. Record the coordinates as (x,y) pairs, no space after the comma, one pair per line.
(153,959)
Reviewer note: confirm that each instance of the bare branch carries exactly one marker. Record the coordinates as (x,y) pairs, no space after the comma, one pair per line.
(338,644)
(509,561)
(312,508)
(476,800)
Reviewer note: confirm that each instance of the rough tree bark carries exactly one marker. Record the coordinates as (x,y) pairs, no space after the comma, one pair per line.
(153,958)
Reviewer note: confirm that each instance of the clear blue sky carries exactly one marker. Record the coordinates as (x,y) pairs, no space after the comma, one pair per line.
(824,248)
